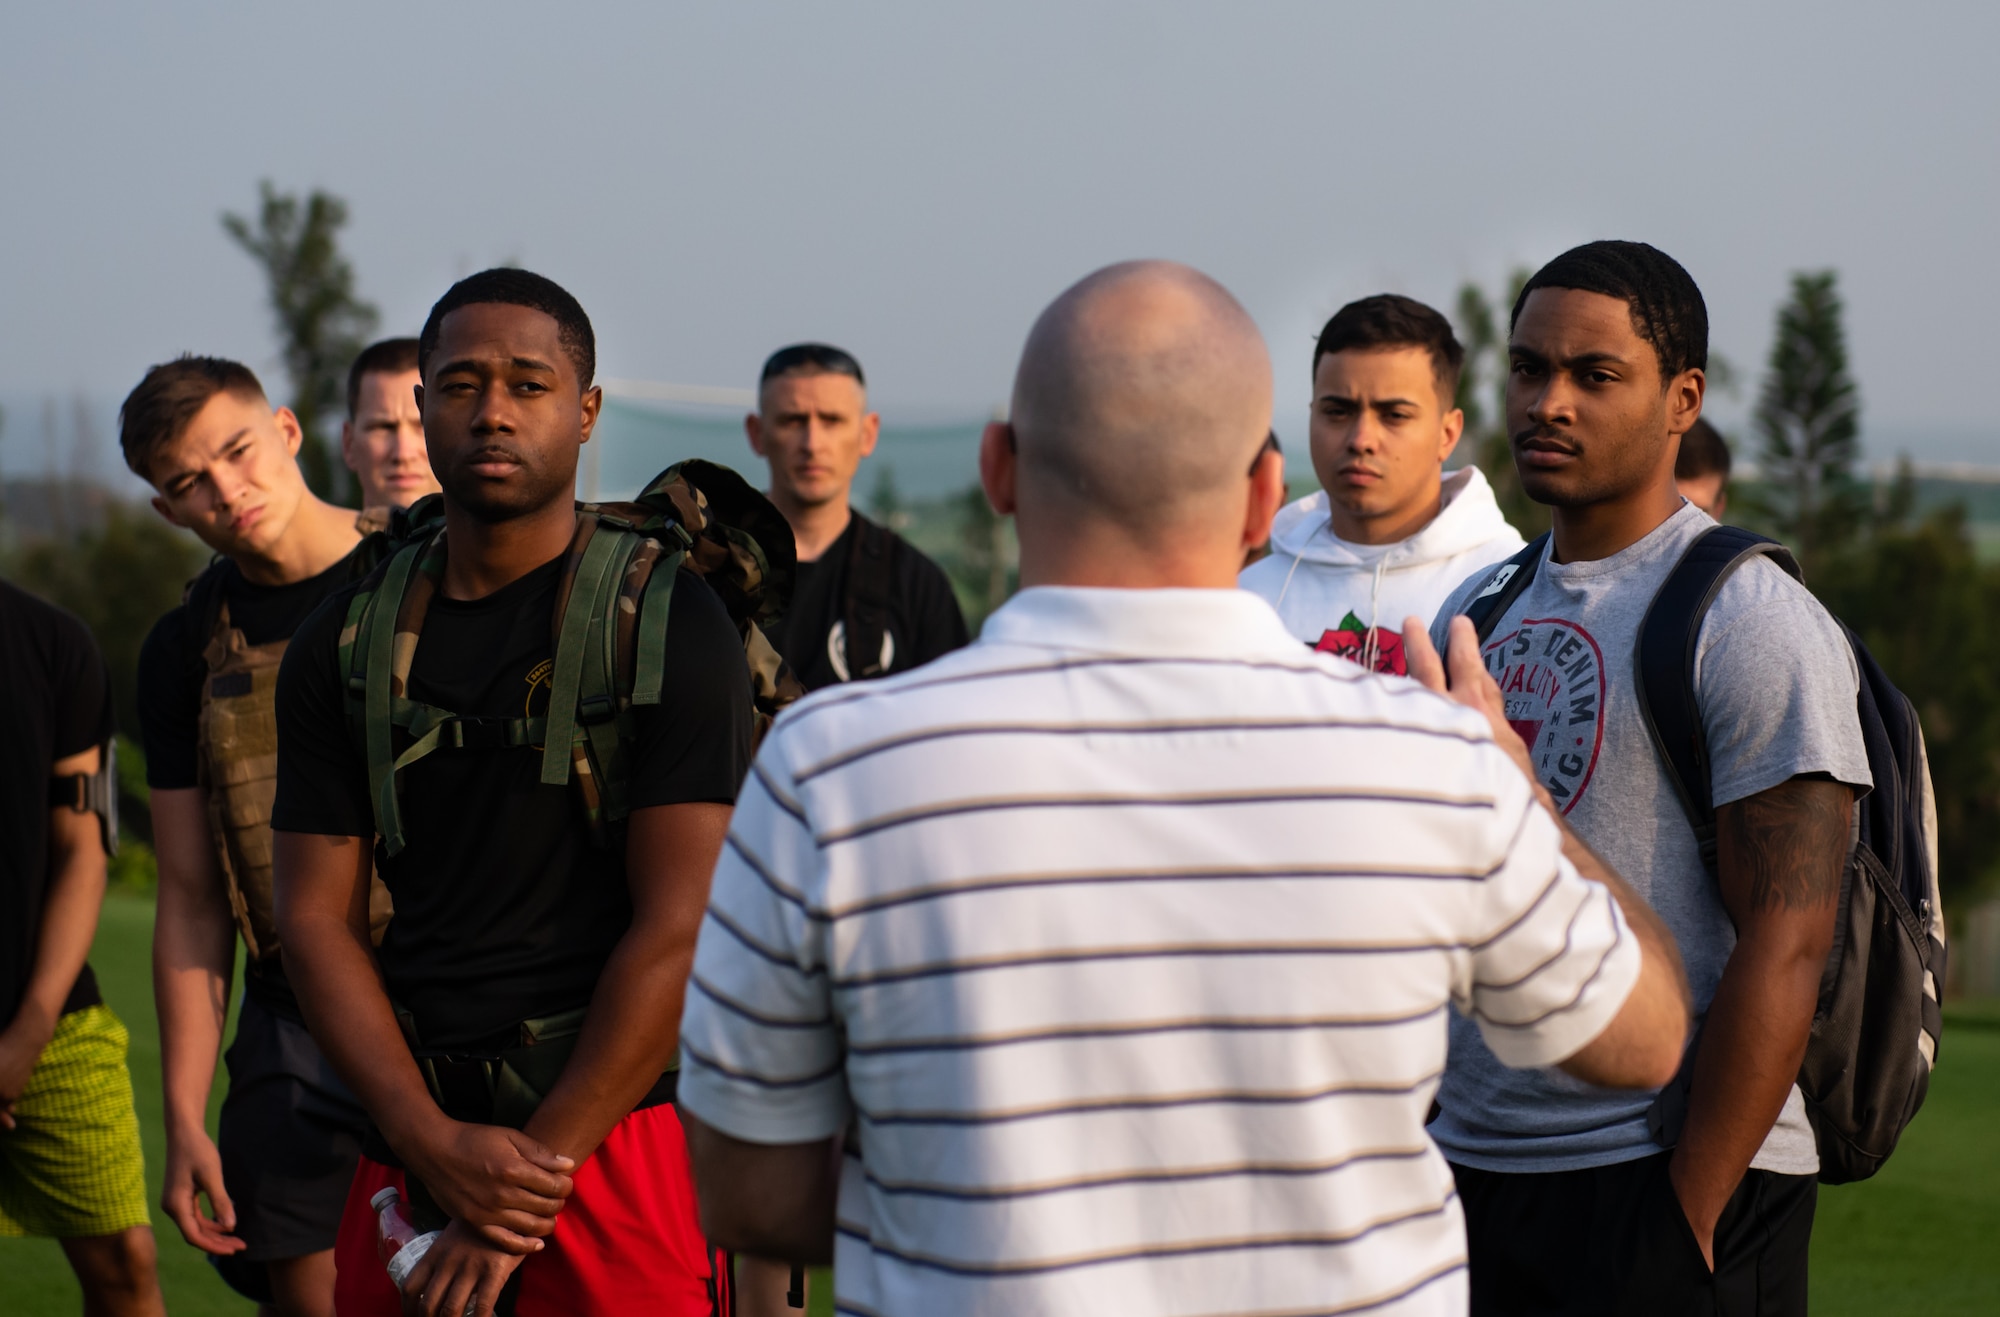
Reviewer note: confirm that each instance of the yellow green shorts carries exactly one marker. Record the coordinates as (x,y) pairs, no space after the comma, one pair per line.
(71,1166)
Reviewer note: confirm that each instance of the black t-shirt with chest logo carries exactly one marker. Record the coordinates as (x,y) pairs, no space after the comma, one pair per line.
(504,911)
(922,620)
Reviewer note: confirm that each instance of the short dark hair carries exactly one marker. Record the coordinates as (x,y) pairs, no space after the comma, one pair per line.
(391,356)
(812,358)
(510,287)
(1704,452)
(161,406)
(1387,320)
(1667,310)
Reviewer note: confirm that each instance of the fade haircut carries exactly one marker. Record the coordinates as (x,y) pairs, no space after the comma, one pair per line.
(162,405)
(1704,452)
(391,356)
(1388,320)
(1667,310)
(510,287)
(812,359)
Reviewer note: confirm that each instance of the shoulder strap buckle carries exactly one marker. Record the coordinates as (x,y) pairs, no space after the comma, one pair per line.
(1504,586)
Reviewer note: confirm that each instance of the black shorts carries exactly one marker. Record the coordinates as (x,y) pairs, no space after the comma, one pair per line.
(1613,1239)
(290,1134)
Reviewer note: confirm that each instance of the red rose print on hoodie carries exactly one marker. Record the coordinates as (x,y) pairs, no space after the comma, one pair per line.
(1355,643)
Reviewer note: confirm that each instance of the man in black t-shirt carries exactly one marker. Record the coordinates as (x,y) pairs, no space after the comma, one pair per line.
(866,602)
(223,463)
(70,1164)
(513,932)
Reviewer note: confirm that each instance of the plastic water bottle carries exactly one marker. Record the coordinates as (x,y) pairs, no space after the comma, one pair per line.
(396,1239)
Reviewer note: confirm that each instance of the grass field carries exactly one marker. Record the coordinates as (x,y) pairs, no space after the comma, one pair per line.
(1918,1239)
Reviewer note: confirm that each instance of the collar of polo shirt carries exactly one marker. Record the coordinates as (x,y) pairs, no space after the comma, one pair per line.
(1202,623)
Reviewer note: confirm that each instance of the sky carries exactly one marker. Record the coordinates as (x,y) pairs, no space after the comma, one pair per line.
(916,181)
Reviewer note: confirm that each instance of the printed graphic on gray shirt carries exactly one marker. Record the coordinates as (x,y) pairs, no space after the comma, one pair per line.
(1551,674)
(1775,680)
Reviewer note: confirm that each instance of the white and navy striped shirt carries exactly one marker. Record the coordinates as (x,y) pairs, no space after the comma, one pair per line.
(1122,943)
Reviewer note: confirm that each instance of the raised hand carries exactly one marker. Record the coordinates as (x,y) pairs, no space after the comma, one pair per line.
(1460,675)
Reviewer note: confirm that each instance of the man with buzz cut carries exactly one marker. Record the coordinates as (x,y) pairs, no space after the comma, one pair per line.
(513,1038)
(866,601)
(1388,534)
(223,463)
(382,440)
(1698,1199)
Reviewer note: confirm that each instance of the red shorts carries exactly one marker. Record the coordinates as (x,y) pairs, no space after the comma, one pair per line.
(627,1241)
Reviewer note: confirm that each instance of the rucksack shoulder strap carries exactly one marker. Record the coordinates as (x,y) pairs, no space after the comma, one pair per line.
(584,607)
(1504,586)
(865,610)
(1663,663)
(375,676)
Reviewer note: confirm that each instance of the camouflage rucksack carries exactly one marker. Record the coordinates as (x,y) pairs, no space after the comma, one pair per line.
(610,637)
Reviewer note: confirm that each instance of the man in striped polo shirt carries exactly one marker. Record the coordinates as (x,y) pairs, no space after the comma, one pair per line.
(1104,966)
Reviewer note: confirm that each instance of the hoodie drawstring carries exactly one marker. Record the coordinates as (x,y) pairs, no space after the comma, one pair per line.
(1374,613)
(1297,558)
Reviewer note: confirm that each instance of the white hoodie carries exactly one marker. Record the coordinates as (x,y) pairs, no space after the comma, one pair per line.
(1351,599)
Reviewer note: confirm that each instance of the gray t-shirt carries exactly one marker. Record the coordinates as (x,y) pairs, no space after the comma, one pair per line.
(1776,683)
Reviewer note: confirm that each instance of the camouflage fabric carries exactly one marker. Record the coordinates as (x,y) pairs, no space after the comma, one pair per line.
(609,637)
(236,765)
(743,548)
(370,521)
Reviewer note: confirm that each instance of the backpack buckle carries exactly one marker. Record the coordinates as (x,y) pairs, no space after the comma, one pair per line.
(595,709)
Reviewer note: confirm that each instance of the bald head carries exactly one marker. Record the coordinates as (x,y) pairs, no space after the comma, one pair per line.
(1143,396)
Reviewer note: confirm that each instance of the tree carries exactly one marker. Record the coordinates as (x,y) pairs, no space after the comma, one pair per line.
(321,322)
(1809,423)
(985,568)
(1929,611)
(886,503)
(118,577)
(1485,439)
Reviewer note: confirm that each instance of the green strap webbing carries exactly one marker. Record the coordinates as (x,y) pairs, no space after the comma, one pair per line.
(566,686)
(350,633)
(599,728)
(436,728)
(378,650)
(649,665)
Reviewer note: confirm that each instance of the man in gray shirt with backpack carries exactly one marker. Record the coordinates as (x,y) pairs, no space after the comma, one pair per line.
(1700,1199)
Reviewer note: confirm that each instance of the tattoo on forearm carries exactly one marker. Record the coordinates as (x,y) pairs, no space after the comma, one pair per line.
(1787,845)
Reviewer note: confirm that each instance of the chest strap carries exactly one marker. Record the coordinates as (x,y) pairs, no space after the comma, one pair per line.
(609,642)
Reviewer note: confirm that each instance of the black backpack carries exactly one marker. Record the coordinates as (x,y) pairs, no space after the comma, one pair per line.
(1876,1029)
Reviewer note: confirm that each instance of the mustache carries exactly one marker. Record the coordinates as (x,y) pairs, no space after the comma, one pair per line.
(1544,436)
